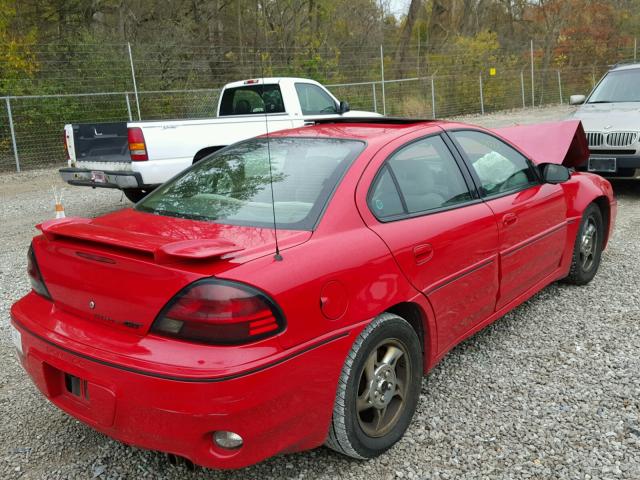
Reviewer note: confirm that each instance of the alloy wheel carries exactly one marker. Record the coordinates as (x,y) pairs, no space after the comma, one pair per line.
(588,244)
(382,388)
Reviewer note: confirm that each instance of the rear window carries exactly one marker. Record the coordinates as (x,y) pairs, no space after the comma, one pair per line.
(232,186)
(251,100)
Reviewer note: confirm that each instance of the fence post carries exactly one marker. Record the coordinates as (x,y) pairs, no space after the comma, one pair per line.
(126,97)
(375,100)
(635,48)
(433,98)
(13,134)
(524,104)
(560,87)
(384,100)
(533,95)
(133,77)
(481,96)
(593,77)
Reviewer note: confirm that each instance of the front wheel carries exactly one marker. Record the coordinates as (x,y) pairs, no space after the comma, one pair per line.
(587,249)
(378,389)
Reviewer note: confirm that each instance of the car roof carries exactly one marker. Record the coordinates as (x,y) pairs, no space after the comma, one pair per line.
(247,82)
(373,129)
(627,66)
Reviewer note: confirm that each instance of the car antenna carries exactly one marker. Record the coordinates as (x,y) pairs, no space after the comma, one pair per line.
(277,255)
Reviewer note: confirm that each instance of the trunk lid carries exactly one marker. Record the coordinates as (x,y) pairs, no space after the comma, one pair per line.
(122,268)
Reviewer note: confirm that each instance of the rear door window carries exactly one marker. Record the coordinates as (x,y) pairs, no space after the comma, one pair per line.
(251,100)
(427,176)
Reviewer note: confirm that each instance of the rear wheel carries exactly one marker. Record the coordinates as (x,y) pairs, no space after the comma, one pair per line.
(135,194)
(378,389)
(587,249)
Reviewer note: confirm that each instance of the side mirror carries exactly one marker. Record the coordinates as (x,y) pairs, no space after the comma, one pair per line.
(554,173)
(343,107)
(577,99)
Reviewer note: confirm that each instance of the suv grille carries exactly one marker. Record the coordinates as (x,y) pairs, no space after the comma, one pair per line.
(621,139)
(595,139)
(612,139)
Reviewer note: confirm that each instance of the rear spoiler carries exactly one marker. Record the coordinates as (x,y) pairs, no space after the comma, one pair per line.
(564,143)
(161,249)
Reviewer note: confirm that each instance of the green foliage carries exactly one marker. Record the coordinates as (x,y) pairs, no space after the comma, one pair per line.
(80,46)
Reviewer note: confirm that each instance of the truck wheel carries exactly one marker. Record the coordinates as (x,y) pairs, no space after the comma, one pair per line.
(135,194)
(587,249)
(378,389)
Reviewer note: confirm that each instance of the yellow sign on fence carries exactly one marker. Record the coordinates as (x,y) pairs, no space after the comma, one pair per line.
(492,72)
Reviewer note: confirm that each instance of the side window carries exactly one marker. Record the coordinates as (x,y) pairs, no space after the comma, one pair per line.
(314,100)
(499,167)
(384,199)
(428,178)
(252,99)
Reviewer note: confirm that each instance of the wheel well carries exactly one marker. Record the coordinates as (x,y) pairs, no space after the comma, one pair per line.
(412,314)
(605,209)
(204,152)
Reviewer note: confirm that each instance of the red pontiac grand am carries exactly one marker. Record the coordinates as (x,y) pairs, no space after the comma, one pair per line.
(175,326)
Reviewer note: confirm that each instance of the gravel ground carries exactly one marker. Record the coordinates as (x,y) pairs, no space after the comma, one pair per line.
(552,390)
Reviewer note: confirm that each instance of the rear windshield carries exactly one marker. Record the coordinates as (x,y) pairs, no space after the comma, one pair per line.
(251,100)
(620,86)
(232,186)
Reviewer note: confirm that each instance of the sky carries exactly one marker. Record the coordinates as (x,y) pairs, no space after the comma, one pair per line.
(398,7)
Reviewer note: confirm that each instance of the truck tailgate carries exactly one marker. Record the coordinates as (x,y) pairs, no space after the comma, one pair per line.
(100,142)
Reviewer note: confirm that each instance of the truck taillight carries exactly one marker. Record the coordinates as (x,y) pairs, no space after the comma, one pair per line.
(219,312)
(35,277)
(66,144)
(137,147)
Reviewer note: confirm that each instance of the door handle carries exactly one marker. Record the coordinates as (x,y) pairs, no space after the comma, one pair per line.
(509,219)
(422,253)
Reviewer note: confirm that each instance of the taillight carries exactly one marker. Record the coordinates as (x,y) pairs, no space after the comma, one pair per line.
(66,144)
(216,311)
(37,283)
(137,147)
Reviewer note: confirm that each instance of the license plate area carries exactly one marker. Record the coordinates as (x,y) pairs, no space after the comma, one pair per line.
(98,177)
(602,164)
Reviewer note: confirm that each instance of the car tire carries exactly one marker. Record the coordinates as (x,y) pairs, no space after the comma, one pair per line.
(587,249)
(135,194)
(378,389)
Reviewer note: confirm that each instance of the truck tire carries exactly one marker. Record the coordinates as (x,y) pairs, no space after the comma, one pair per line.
(378,389)
(135,194)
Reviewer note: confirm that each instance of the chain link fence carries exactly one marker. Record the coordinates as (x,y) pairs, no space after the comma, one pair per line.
(103,83)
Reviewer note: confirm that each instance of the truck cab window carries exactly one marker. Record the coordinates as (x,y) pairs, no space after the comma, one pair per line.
(314,100)
(251,100)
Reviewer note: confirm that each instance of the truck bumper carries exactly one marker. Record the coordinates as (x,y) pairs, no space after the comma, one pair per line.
(92,178)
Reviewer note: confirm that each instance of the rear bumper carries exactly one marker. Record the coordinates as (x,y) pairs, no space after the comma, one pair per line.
(284,407)
(115,179)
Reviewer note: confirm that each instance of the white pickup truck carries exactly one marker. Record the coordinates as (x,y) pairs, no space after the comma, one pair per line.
(136,157)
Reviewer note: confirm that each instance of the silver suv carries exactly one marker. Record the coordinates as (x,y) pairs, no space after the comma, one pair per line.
(611,119)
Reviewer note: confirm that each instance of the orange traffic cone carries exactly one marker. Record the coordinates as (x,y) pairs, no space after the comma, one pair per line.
(59,209)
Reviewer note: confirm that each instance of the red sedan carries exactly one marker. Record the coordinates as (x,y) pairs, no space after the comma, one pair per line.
(188,324)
